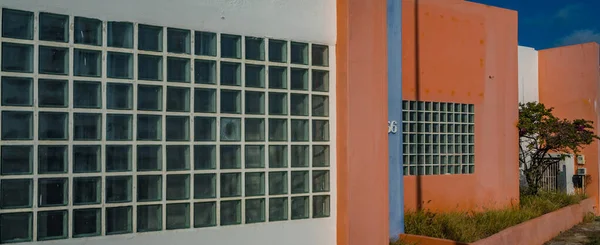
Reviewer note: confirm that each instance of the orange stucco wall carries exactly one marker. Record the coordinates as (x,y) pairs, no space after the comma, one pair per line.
(569,80)
(466,53)
(362,142)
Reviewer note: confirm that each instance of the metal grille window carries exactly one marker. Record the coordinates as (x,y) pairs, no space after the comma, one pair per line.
(439,138)
(114,127)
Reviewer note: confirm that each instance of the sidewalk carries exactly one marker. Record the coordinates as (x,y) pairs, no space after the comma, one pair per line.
(582,234)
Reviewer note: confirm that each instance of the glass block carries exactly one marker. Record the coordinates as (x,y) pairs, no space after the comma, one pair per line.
(231,129)
(277,51)
(255,156)
(320,180)
(52,93)
(231,101)
(118,127)
(87,190)
(300,182)
(87,222)
(149,158)
(205,214)
(118,220)
(54,27)
(299,130)
(86,159)
(149,127)
(118,189)
(53,60)
(321,156)
(321,206)
(205,43)
(118,158)
(178,99)
(178,41)
(178,157)
(119,96)
(86,126)
(178,70)
(17,57)
(16,227)
(205,100)
(149,218)
(300,207)
(255,76)
(52,159)
(255,48)
(299,79)
(17,24)
(231,212)
(53,192)
(299,53)
(320,106)
(320,130)
(278,129)
(231,46)
(299,104)
(205,129)
(231,185)
(178,128)
(255,210)
(278,183)
(230,74)
(320,81)
(300,156)
(149,98)
(178,186)
(278,103)
(320,55)
(178,216)
(204,71)
(17,91)
(230,157)
(150,38)
(150,67)
(277,77)
(255,184)
(149,188)
(16,193)
(205,186)
(88,31)
(119,65)
(87,95)
(120,34)
(278,209)
(205,157)
(255,102)
(52,225)
(17,159)
(255,129)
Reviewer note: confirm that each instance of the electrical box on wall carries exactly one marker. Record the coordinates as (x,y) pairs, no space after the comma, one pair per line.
(580,159)
(581,171)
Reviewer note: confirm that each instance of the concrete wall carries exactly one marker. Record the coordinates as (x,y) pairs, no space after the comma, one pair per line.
(569,81)
(528,75)
(466,53)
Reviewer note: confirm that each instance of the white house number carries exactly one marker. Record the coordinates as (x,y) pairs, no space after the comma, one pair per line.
(392,127)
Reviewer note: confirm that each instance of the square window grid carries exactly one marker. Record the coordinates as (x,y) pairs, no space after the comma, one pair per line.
(438,138)
(217,129)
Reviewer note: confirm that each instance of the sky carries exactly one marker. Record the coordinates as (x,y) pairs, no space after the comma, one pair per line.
(551,23)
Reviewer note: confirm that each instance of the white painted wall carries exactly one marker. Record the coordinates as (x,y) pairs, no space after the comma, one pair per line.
(528,75)
(306,20)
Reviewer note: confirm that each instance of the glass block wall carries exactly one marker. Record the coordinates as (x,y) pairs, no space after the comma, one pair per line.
(113,127)
(438,137)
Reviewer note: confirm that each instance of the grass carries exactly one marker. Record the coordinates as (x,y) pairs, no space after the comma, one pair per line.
(472,226)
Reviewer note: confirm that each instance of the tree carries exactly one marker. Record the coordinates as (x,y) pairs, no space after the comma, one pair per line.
(541,134)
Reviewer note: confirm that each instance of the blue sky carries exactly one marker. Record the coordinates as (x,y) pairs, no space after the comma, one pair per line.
(550,23)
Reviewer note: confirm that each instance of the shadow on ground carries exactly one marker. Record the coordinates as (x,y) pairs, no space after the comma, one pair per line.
(582,234)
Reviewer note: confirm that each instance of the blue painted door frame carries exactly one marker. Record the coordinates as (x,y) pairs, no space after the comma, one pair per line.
(396,177)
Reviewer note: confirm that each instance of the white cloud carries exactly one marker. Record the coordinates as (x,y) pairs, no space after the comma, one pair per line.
(580,36)
(569,11)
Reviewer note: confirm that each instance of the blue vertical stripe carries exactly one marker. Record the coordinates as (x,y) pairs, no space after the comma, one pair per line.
(396,177)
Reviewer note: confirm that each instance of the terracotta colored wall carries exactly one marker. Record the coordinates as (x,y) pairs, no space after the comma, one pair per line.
(569,80)
(362,141)
(467,53)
